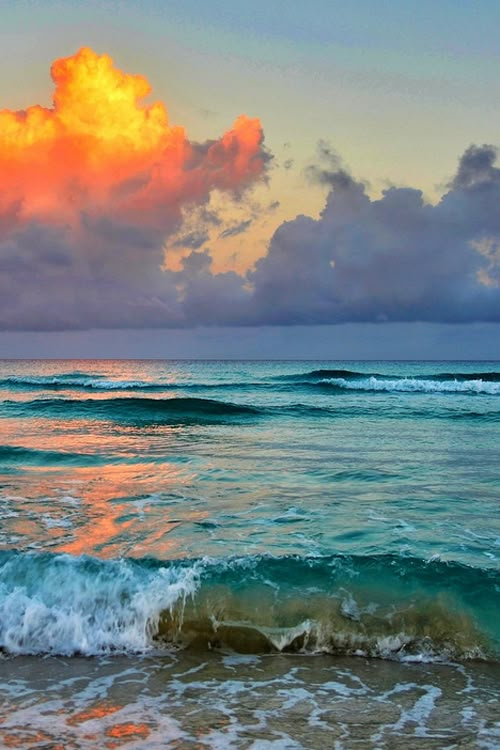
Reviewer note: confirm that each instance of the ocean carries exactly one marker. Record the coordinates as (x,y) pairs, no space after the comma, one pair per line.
(262,555)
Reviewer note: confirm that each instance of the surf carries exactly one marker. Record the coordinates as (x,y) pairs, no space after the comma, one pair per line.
(385,606)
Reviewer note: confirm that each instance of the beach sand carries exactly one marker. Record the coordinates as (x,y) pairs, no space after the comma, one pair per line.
(186,700)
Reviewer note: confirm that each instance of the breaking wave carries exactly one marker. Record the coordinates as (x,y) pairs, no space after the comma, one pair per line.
(384,606)
(413,385)
(314,375)
(87,382)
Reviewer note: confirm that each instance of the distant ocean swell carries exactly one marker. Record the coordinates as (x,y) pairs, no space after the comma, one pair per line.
(82,382)
(384,606)
(142,410)
(19,456)
(487,383)
(315,375)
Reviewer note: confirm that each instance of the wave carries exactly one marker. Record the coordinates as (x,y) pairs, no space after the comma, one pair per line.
(143,411)
(85,382)
(383,606)
(342,379)
(487,377)
(386,410)
(442,382)
(80,381)
(411,385)
(313,375)
(493,376)
(13,454)
(134,410)
(57,380)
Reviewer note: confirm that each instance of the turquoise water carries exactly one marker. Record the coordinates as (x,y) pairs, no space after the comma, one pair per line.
(194,510)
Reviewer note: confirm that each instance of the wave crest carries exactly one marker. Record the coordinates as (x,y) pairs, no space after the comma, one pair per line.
(413,385)
(384,606)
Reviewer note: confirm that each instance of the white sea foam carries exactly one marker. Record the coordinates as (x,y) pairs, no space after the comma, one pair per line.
(416,385)
(63,609)
(56,523)
(85,381)
(116,385)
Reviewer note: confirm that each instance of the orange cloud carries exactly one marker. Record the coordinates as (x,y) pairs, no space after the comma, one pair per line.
(101,149)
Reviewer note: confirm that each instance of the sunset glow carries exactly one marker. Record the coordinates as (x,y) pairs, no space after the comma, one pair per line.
(101,147)
(139,194)
(249,374)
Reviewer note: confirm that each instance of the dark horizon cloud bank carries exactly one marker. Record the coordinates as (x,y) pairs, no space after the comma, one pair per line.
(92,188)
(396,258)
(85,249)
(393,259)
(344,341)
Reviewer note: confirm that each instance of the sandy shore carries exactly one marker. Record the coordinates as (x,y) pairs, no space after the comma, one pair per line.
(190,700)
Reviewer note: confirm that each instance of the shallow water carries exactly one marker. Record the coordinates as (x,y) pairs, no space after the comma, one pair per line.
(255,532)
(214,700)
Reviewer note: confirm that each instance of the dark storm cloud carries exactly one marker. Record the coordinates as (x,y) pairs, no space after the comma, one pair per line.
(329,170)
(219,299)
(395,258)
(53,278)
(392,259)
(477,167)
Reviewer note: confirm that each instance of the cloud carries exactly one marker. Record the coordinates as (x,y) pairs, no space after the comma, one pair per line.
(329,170)
(236,229)
(96,189)
(476,168)
(217,298)
(92,188)
(193,240)
(391,259)
(51,279)
(100,149)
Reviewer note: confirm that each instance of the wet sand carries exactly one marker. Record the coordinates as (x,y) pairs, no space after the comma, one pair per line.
(188,701)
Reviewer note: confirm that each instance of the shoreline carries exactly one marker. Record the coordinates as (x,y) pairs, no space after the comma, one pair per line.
(231,700)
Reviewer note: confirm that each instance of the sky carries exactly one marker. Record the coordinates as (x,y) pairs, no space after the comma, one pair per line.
(231,180)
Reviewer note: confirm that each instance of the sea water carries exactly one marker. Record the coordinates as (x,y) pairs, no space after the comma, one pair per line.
(249,554)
